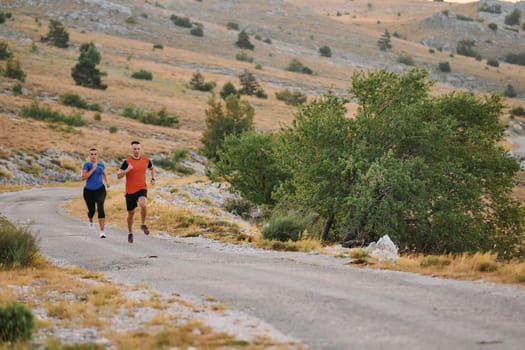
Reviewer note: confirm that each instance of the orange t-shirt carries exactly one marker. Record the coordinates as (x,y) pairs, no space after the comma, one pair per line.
(136,178)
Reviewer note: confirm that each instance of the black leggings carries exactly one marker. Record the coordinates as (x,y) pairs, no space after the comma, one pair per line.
(97,197)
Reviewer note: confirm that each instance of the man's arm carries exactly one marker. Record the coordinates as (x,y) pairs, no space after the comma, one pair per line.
(152,173)
(124,169)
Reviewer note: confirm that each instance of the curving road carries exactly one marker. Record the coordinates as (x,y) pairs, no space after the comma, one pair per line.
(315,298)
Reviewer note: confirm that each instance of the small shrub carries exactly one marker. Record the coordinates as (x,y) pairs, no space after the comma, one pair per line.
(232,26)
(444,67)
(461,17)
(268,40)
(181,21)
(197,83)
(74,100)
(113,129)
(143,75)
(13,70)
(513,18)
(514,58)
(97,117)
(46,114)
(293,98)
(239,206)
(406,60)
(384,42)
(325,51)
(227,90)
(16,323)
(492,62)
(173,162)
(158,46)
(296,66)
(510,91)
(243,41)
(283,228)
(244,57)
(17,89)
(198,30)
(466,48)
(18,246)
(5,52)
(491,8)
(493,26)
(518,111)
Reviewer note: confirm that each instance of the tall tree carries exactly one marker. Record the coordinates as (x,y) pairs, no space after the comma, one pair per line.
(234,117)
(243,41)
(428,171)
(57,34)
(314,151)
(85,72)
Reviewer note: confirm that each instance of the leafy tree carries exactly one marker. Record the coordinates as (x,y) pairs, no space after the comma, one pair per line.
(428,171)
(513,18)
(384,43)
(227,90)
(234,117)
(85,72)
(57,34)
(325,51)
(247,162)
(313,151)
(243,41)
(250,86)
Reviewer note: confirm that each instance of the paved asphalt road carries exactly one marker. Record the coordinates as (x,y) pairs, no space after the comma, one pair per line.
(315,298)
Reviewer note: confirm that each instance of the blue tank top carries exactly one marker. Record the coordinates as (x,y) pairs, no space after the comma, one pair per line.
(94,182)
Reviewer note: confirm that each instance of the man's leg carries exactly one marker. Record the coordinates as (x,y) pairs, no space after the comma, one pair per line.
(143,202)
(131,214)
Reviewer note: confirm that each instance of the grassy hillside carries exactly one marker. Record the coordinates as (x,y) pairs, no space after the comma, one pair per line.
(125,32)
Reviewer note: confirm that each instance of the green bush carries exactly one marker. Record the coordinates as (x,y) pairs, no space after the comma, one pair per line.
(232,26)
(113,129)
(516,58)
(510,91)
(490,8)
(228,89)
(45,113)
(158,46)
(143,75)
(325,51)
(465,48)
(492,62)
(518,111)
(181,21)
(17,89)
(243,41)
(16,322)
(244,57)
(13,70)
(173,162)
(198,30)
(197,83)
(493,26)
(294,98)
(283,228)
(513,18)
(5,52)
(444,67)
(296,66)
(74,100)
(461,17)
(18,246)
(57,34)
(160,117)
(405,59)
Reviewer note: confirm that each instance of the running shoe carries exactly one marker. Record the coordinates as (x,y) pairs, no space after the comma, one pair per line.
(102,234)
(130,237)
(145,229)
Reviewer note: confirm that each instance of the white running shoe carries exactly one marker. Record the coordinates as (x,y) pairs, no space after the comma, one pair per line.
(91,225)
(102,234)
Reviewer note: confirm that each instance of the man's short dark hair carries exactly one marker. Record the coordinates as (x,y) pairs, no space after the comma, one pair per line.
(92,149)
(135,143)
